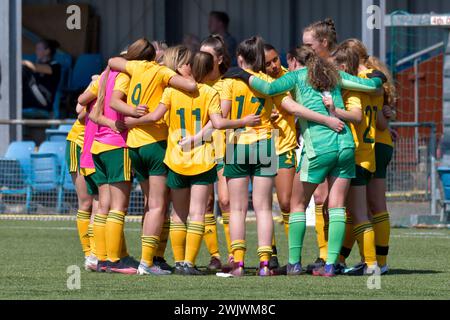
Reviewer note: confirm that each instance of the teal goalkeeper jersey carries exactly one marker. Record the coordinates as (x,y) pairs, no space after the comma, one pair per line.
(318,138)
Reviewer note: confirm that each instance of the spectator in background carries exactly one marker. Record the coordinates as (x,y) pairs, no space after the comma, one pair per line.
(191,42)
(40,79)
(218,24)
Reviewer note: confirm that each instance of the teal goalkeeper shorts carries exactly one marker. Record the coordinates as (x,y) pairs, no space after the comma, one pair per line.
(339,164)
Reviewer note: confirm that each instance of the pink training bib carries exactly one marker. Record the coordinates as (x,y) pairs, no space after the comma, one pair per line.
(86,160)
(105,134)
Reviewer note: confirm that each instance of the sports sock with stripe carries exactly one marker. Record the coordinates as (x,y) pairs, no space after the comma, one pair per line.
(226,230)
(336,234)
(382,228)
(365,236)
(210,236)
(178,231)
(297,229)
(163,239)
(264,253)
(83,221)
(238,248)
(91,239)
(99,236)
(149,247)
(195,231)
(114,234)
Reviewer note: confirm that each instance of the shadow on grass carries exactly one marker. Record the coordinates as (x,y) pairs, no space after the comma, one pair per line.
(249,271)
(406,272)
(252,271)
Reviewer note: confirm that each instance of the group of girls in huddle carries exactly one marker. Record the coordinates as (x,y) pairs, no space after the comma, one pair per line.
(187,122)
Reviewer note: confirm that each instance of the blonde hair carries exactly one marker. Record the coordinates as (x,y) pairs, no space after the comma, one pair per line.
(372,62)
(141,49)
(160,48)
(175,57)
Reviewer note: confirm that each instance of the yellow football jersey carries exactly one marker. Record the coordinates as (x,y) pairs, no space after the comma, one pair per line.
(285,124)
(246,101)
(380,136)
(76,134)
(148,81)
(384,137)
(122,84)
(364,132)
(188,114)
(286,139)
(219,136)
(94,86)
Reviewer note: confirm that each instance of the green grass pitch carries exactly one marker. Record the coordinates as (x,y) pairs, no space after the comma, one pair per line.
(35,255)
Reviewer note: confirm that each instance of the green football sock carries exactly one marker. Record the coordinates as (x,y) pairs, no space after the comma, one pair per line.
(336,233)
(297,228)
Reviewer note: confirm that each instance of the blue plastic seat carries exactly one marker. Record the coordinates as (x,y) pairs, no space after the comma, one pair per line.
(45,172)
(57,148)
(55,135)
(15,169)
(66,127)
(21,150)
(85,67)
(45,177)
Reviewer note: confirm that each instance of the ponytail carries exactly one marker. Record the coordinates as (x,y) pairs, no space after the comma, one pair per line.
(252,51)
(389,86)
(372,62)
(202,65)
(217,43)
(98,108)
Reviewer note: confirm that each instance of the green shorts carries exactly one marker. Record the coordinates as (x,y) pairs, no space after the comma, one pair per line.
(148,160)
(73,154)
(91,184)
(299,162)
(251,160)
(383,156)
(287,160)
(339,164)
(220,165)
(178,181)
(113,166)
(363,176)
